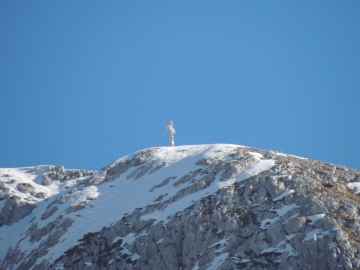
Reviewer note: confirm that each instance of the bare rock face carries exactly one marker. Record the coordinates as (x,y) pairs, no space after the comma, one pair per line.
(46,180)
(21,190)
(59,173)
(14,210)
(25,187)
(194,207)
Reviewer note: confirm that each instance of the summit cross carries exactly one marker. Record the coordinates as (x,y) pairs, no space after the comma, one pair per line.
(171,131)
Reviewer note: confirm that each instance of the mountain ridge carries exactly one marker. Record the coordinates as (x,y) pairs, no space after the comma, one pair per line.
(142,211)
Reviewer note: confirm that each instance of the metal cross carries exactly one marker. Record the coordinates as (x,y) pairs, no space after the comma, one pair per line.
(171,131)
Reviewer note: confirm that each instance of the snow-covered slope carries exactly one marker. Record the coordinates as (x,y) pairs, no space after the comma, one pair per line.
(153,210)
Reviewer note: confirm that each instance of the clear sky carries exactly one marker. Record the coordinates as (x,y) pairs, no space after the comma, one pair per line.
(84,83)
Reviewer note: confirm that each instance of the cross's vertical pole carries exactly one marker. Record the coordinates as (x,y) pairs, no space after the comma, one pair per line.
(171,131)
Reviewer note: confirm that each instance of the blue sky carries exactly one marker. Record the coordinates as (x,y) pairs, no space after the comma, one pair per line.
(86,82)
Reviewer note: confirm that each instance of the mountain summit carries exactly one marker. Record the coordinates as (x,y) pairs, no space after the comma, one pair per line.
(187,207)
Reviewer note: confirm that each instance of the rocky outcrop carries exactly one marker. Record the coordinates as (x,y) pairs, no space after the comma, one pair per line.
(114,170)
(14,210)
(59,173)
(214,207)
(53,231)
(19,194)
(256,227)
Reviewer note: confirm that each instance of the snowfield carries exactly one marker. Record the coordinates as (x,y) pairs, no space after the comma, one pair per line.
(109,202)
(219,206)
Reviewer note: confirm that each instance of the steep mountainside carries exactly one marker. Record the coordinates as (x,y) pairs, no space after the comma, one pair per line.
(187,207)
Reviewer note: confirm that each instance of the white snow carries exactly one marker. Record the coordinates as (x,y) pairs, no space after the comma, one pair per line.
(286,208)
(87,264)
(228,183)
(135,257)
(196,266)
(88,193)
(314,218)
(283,246)
(128,239)
(218,261)
(296,156)
(11,177)
(354,185)
(29,176)
(315,234)
(293,216)
(187,201)
(255,154)
(265,223)
(262,165)
(290,236)
(282,154)
(281,176)
(282,195)
(240,260)
(223,243)
(160,241)
(60,267)
(109,202)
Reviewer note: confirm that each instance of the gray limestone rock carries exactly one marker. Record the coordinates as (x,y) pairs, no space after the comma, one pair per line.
(14,210)
(46,180)
(298,214)
(59,173)
(25,187)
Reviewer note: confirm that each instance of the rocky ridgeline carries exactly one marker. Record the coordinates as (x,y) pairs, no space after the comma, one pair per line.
(18,196)
(296,214)
(59,173)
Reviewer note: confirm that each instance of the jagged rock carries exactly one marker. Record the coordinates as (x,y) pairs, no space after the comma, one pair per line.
(48,213)
(46,180)
(295,225)
(35,169)
(194,207)
(114,170)
(59,173)
(25,187)
(14,210)
(39,195)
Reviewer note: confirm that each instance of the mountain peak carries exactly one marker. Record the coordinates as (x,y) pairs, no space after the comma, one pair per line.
(214,206)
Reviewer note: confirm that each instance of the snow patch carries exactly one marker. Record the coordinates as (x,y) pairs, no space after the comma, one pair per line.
(88,264)
(314,218)
(86,194)
(315,234)
(282,247)
(135,257)
(285,193)
(196,266)
(223,243)
(293,216)
(160,241)
(228,183)
(354,185)
(60,267)
(218,261)
(240,260)
(265,223)
(261,166)
(255,154)
(285,155)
